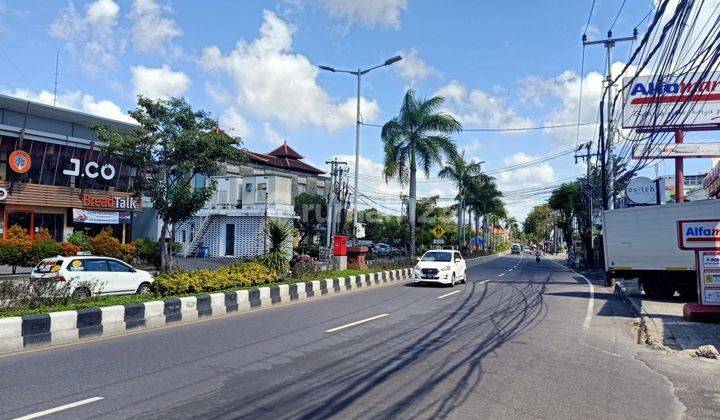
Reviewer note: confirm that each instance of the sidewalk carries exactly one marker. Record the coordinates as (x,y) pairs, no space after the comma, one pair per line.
(664,323)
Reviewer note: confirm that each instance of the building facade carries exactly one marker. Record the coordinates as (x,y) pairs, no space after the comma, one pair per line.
(54,175)
(231,223)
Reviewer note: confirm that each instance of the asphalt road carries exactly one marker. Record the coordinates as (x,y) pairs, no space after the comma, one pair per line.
(519,340)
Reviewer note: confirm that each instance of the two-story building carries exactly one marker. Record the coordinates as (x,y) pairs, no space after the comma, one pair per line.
(231,223)
(54,175)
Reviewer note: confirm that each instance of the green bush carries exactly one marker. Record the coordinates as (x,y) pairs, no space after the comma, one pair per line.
(80,239)
(147,250)
(196,281)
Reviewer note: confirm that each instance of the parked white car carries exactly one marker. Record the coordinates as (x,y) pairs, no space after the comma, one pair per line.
(441,266)
(87,275)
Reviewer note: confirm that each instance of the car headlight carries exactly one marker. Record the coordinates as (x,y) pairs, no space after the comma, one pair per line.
(446,268)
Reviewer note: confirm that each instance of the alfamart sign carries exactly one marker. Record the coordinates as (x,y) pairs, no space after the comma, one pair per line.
(699,234)
(685,100)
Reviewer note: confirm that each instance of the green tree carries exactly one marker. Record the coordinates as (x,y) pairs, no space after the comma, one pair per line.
(172,144)
(279,234)
(567,201)
(539,222)
(462,174)
(310,208)
(483,198)
(418,137)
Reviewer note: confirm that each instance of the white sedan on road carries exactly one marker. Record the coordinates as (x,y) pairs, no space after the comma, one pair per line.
(441,266)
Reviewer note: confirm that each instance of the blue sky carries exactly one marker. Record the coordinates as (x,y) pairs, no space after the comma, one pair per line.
(253,65)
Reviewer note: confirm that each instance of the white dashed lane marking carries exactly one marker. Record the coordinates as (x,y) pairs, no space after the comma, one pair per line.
(352,324)
(58,409)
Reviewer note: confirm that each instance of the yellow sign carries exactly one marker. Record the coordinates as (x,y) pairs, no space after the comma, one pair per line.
(438,231)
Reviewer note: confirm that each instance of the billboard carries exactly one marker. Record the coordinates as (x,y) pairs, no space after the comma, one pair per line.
(698,234)
(671,101)
(101,217)
(676,150)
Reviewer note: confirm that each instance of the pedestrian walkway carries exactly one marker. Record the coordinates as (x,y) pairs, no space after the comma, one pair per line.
(666,324)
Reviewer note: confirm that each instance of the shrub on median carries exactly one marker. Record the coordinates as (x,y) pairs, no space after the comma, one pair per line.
(196,281)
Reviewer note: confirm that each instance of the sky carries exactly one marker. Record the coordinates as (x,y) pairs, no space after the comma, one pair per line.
(253,65)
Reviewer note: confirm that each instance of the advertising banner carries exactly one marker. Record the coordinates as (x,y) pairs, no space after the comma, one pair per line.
(709,271)
(699,234)
(676,150)
(665,101)
(101,217)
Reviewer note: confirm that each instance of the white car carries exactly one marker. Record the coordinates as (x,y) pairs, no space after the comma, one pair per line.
(87,275)
(441,266)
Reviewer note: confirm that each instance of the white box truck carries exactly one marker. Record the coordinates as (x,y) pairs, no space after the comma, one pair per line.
(641,243)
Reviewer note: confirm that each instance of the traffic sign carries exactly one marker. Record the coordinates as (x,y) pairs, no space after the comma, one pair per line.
(438,241)
(438,231)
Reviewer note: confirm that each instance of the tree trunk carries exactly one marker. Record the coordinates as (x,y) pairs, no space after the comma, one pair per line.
(411,203)
(477,226)
(164,257)
(459,223)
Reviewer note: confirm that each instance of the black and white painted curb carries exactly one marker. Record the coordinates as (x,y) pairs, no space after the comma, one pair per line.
(17,333)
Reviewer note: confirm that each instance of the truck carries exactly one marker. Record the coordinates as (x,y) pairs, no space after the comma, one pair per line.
(641,243)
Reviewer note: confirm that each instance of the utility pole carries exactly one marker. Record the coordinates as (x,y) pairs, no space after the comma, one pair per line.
(609,43)
(333,199)
(587,192)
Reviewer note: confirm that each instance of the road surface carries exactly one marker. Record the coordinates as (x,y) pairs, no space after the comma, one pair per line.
(519,340)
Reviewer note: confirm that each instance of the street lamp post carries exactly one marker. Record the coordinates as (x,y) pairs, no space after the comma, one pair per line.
(358,73)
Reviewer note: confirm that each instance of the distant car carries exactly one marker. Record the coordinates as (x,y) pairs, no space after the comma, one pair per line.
(384,249)
(527,249)
(441,266)
(516,249)
(87,275)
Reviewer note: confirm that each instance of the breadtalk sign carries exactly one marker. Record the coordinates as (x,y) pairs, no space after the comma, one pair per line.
(129,203)
(699,234)
(686,100)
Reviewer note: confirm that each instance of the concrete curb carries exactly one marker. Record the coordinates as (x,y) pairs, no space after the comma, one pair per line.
(18,333)
(648,330)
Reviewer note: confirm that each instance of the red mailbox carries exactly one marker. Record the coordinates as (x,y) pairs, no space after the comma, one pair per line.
(339,245)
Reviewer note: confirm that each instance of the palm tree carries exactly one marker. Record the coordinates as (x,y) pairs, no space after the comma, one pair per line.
(483,198)
(462,174)
(418,137)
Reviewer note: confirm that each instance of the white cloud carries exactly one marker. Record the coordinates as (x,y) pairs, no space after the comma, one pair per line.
(151,31)
(91,38)
(159,82)
(77,101)
(477,107)
(273,82)
(234,124)
(413,68)
(272,136)
(531,176)
(471,147)
(372,13)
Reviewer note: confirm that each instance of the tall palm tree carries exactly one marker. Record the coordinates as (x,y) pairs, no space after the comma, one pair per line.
(462,174)
(483,197)
(418,137)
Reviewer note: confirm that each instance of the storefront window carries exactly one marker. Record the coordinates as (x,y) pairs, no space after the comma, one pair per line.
(53,223)
(22,218)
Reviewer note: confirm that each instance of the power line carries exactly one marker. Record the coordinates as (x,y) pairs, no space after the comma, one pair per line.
(540,127)
(617,15)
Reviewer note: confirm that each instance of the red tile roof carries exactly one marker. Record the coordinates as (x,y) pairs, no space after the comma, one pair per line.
(283,157)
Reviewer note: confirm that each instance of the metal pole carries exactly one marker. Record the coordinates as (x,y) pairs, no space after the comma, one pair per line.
(679,171)
(611,163)
(357,160)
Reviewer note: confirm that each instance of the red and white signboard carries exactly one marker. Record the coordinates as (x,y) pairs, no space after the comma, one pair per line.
(709,271)
(699,234)
(686,100)
(676,150)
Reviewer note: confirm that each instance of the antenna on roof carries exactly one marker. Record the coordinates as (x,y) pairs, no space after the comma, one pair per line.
(57,66)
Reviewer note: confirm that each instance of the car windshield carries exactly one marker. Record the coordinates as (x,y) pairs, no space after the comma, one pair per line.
(48,266)
(437,256)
